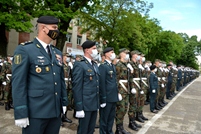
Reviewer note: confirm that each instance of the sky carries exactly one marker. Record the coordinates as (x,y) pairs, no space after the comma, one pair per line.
(181,16)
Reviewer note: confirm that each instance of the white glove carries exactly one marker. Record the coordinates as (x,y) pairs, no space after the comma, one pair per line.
(130,67)
(80,114)
(133,91)
(4,83)
(66,79)
(23,123)
(162,85)
(142,92)
(153,91)
(120,97)
(64,109)
(103,105)
(140,67)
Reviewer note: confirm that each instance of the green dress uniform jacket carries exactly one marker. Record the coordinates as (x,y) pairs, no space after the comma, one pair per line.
(39,89)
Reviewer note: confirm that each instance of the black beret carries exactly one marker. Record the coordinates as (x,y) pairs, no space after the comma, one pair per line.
(152,67)
(108,49)
(88,44)
(169,65)
(48,20)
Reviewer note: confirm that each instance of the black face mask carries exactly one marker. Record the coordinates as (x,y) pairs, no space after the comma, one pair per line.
(53,34)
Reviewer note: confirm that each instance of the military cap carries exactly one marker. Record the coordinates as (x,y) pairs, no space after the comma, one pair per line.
(48,20)
(88,44)
(9,55)
(108,49)
(123,50)
(141,54)
(169,65)
(152,67)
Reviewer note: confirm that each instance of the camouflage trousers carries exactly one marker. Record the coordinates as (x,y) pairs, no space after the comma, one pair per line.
(173,86)
(162,92)
(133,105)
(141,98)
(121,109)
(70,97)
(7,92)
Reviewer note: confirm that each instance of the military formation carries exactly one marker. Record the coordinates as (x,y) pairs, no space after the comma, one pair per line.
(54,83)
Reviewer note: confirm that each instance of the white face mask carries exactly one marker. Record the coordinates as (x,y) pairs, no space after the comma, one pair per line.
(127,57)
(155,70)
(73,60)
(67,59)
(143,59)
(94,53)
(138,57)
(11,58)
(113,56)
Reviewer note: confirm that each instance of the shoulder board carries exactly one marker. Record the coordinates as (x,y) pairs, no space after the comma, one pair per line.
(26,43)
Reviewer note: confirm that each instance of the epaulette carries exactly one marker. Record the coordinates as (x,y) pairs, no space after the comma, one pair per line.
(26,43)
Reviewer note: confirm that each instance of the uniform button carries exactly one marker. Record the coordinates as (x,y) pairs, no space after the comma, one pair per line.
(56,93)
(52,64)
(97,86)
(42,63)
(55,83)
(97,80)
(54,73)
(97,92)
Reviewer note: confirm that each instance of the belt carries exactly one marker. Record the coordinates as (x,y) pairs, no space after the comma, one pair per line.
(134,80)
(67,79)
(8,75)
(121,83)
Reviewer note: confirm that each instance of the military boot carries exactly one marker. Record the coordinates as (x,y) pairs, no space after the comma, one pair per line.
(142,116)
(164,102)
(161,103)
(131,125)
(65,119)
(120,129)
(139,118)
(7,107)
(157,107)
(11,104)
(137,125)
(1,104)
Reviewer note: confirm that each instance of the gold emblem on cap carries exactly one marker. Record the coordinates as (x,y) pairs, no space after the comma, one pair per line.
(47,69)
(38,70)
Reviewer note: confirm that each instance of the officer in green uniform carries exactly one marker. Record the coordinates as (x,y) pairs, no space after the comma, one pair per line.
(124,90)
(67,77)
(108,92)
(86,89)
(39,90)
(7,88)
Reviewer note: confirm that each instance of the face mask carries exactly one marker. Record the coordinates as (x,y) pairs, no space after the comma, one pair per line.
(53,34)
(94,53)
(143,59)
(138,57)
(155,70)
(5,61)
(67,59)
(97,57)
(73,60)
(112,57)
(127,57)
(11,58)
(0,60)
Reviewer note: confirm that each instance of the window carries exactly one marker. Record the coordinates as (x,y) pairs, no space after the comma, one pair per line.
(68,36)
(79,39)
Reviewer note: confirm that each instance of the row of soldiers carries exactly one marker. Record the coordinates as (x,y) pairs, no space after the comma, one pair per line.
(132,72)
(5,81)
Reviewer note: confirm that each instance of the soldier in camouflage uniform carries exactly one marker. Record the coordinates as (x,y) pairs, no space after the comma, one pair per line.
(135,89)
(67,77)
(174,80)
(6,75)
(143,73)
(1,78)
(122,73)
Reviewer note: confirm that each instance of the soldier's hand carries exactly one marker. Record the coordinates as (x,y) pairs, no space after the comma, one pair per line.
(80,114)
(142,92)
(64,109)
(162,85)
(133,91)
(120,97)
(153,91)
(103,105)
(23,123)
(4,83)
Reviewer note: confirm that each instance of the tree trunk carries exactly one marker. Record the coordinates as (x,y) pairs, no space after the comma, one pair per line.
(3,40)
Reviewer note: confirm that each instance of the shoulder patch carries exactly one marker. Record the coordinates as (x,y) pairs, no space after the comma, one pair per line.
(17,59)
(26,43)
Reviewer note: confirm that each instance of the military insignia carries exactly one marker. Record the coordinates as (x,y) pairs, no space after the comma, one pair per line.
(89,70)
(40,57)
(38,70)
(38,45)
(111,72)
(47,69)
(17,59)
(59,59)
(90,77)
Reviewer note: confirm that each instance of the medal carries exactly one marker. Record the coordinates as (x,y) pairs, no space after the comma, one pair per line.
(90,77)
(38,70)
(111,72)
(47,69)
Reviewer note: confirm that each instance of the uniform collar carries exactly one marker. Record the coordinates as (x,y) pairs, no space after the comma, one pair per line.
(89,60)
(43,44)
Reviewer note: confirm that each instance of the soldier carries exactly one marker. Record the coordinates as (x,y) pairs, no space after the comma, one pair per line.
(67,77)
(174,79)
(86,89)
(144,87)
(7,88)
(1,78)
(108,92)
(153,81)
(123,86)
(169,83)
(39,90)
(135,90)
(179,77)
